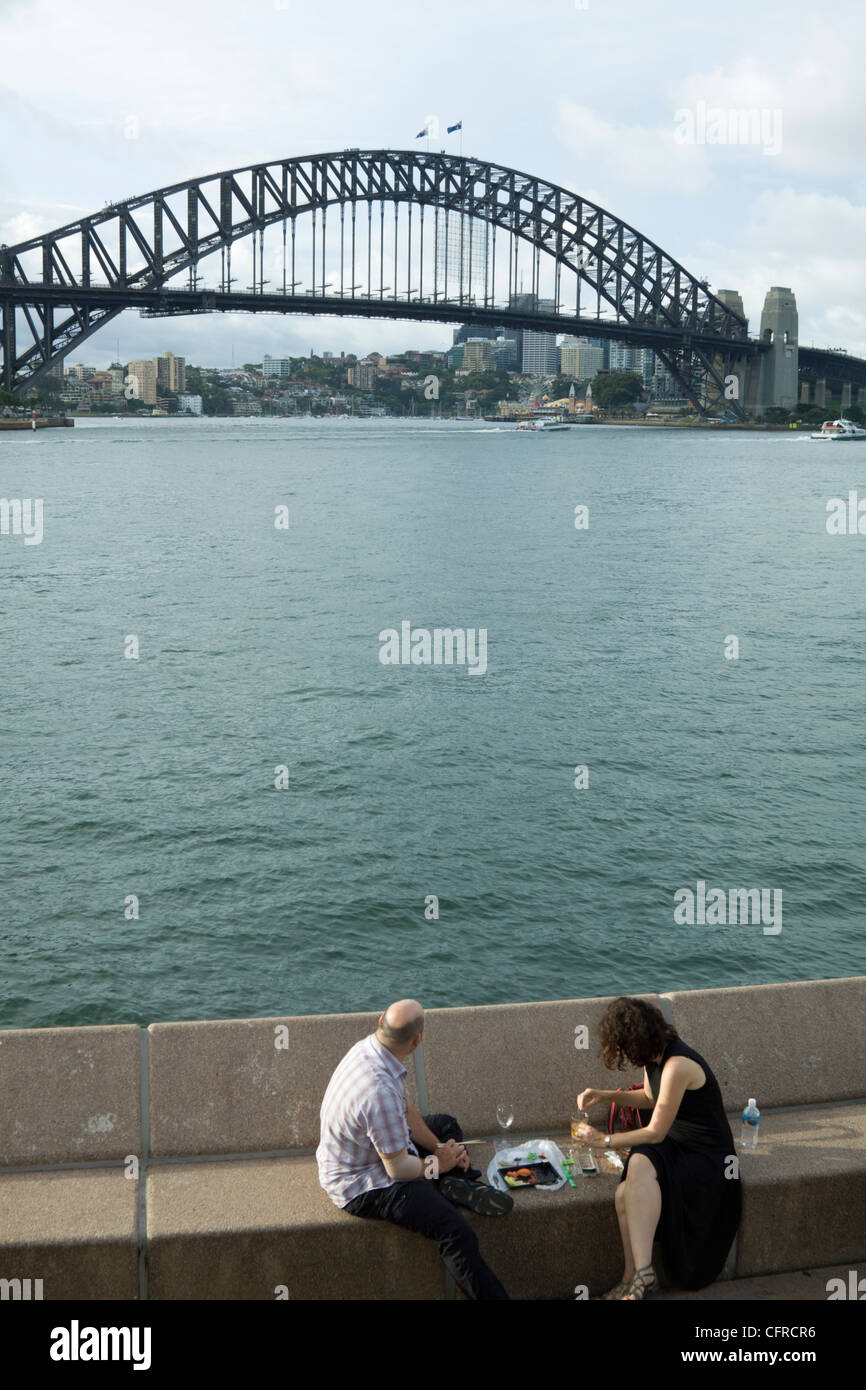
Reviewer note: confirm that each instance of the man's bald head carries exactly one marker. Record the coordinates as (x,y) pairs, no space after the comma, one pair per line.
(401,1023)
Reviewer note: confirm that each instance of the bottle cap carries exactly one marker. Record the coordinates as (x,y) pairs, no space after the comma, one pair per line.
(752,1101)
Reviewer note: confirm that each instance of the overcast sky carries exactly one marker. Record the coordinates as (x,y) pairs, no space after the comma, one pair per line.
(582,92)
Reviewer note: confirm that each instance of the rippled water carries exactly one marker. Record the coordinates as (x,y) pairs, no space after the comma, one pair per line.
(259,647)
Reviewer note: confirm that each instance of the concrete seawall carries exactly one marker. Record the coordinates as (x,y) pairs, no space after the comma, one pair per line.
(177,1162)
(48,424)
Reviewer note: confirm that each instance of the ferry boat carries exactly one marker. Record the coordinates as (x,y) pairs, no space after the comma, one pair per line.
(840,429)
(555,424)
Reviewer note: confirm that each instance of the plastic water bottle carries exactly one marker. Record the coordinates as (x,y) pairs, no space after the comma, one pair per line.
(751,1123)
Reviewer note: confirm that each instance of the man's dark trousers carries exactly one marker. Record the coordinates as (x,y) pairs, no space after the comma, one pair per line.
(421,1207)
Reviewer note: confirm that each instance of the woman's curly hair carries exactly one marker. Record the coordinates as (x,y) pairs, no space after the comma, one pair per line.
(633,1031)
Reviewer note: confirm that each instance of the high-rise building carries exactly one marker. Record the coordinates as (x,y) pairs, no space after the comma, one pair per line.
(276,366)
(362,375)
(475,330)
(504,354)
(143,383)
(170,373)
(625,358)
(537,352)
(579,359)
(477,355)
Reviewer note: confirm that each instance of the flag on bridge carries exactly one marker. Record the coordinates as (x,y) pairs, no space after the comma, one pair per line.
(426,131)
(458,126)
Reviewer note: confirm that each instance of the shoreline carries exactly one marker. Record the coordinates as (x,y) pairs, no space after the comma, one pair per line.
(52,423)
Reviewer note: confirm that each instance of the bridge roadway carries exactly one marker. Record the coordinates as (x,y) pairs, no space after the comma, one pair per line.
(60,287)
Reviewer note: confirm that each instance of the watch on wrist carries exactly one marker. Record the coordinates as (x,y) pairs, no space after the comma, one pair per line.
(607,1139)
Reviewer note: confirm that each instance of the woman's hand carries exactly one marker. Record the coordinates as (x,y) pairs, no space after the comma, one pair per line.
(589,1097)
(590,1135)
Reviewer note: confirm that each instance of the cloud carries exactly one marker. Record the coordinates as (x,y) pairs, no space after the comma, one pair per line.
(812,242)
(820,100)
(631,156)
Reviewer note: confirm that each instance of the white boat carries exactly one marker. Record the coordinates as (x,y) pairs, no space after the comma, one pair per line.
(555,424)
(840,429)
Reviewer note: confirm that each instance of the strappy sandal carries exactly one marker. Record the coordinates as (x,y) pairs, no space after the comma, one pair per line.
(616,1292)
(640,1285)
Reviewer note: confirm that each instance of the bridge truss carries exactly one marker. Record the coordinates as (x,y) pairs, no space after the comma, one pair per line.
(457,239)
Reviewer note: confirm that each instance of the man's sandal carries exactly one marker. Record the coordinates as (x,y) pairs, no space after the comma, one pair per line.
(478,1196)
(640,1285)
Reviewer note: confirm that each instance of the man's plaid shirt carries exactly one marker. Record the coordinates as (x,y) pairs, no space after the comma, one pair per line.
(363,1115)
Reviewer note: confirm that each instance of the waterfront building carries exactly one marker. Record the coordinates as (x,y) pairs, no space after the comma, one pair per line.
(477,356)
(664,386)
(362,375)
(144,380)
(170,374)
(475,330)
(579,359)
(504,354)
(193,405)
(537,352)
(625,358)
(276,366)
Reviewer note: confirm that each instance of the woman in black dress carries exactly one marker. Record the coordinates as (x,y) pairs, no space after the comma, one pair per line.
(681,1174)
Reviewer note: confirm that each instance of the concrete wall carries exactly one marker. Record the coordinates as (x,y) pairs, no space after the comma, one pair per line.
(176,1161)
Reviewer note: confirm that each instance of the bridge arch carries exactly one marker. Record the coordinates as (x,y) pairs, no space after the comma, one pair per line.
(588,271)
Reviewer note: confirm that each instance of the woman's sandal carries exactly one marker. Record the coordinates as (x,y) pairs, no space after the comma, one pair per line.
(640,1285)
(616,1292)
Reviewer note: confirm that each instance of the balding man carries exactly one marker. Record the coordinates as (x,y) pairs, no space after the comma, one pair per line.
(373,1147)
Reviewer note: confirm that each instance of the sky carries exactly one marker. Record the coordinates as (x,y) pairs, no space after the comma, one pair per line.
(616,100)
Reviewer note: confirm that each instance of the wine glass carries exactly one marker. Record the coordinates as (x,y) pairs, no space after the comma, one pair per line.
(505,1119)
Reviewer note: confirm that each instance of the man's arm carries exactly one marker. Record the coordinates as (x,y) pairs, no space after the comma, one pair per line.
(403,1166)
(424,1137)
(420,1133)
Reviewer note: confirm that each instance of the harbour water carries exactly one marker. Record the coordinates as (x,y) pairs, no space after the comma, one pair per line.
(147,785)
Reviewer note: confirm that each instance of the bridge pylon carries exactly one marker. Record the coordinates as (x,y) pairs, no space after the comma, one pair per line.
(773,375)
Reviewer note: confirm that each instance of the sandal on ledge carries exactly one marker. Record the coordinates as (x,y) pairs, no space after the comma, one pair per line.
(644,1282)
(616,1292)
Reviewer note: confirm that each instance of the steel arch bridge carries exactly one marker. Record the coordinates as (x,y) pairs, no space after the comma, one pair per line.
(502,248)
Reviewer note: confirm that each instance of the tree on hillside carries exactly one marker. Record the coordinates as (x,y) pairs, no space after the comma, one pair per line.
(613,389)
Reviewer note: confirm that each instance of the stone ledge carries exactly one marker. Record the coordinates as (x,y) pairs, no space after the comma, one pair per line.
(240,1229)
(69,1094)
(77,1232)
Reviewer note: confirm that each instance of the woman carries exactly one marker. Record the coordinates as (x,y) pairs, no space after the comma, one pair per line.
(681,1174)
